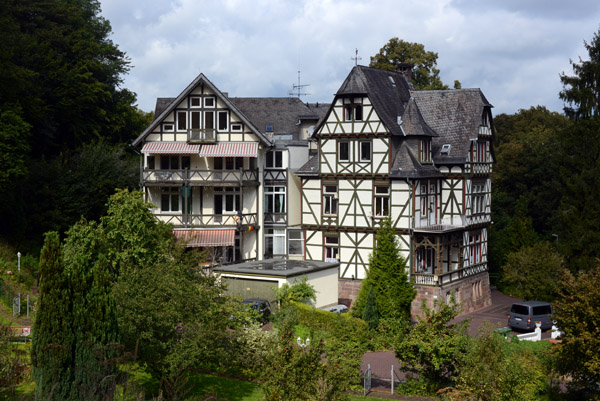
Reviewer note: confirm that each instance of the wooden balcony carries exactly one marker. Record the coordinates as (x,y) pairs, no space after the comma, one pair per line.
(208,220)
(449,277)
(202,135)
(200,177)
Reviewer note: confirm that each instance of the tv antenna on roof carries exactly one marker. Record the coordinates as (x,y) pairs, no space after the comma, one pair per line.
(298,88)
(356,57)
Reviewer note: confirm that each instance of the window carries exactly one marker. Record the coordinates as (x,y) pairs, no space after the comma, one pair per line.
(169,162)
(365,151)
(382,201)
(475,248)
(169,127)
(185,162)
(223,120)
(274,159)
(428,197)
(353,112)
(274,199)
(425,260)
(150,162)
(344,151)
(237,127)
(425,150)
(478,197)
(227,200)
(332,248)
(195,120)
(209,119)
(296,242)
(330,201)
(195,101)
(228,163)
(209,101)
(481,152)
(169,200)
(181,121)
(274,241)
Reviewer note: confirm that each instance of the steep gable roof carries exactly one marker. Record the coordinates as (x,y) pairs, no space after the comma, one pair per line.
(406,164)
(413,123)
(171,106)
(455,115)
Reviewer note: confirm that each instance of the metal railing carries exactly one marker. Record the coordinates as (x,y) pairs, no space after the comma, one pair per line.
(440,224)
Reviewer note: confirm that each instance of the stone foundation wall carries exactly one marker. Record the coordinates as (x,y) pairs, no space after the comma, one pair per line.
(473,293)
(348,291)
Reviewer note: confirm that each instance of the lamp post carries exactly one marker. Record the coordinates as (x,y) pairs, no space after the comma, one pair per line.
(303,344)
(19,261)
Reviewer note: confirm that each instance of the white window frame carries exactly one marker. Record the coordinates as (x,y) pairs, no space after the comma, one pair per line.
(478,197)
(273,192)
(210,102)
(219,113)
(274,159)
(198,98)
(278,236)
(361,156)
(425,260)
(199,114)
(179,114)
(382,201)
(331,248)
(165,127)
(330,199)
(234,127)
(299,241)
(170,194)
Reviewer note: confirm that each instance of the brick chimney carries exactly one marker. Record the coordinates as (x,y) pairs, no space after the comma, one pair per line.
(406,69)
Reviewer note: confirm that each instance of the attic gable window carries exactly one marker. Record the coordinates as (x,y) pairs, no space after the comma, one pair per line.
(353,110)
(425,151)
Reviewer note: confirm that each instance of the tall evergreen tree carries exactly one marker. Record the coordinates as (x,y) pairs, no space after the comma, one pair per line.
(52,343)
(387,276)
(370,313)
(582,90)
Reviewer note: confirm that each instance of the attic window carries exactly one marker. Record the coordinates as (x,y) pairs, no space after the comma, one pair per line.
(392,80)
(445,149)
(269,128)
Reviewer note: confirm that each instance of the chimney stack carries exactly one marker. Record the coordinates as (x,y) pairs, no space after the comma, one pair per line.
(406,69)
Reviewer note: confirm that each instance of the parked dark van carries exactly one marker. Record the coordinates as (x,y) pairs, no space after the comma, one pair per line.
(523,315)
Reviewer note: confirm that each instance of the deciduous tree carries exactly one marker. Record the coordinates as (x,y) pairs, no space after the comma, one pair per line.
(425,74)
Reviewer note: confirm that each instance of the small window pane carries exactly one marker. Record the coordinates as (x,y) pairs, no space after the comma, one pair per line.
(181,120)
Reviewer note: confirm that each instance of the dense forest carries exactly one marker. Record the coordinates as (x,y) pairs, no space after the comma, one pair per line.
(65,120)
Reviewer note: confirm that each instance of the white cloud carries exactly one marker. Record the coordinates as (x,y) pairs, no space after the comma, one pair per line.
(512,50)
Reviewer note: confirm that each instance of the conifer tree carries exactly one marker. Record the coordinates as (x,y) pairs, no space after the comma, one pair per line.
(387,275)
(370,314)
(51,356)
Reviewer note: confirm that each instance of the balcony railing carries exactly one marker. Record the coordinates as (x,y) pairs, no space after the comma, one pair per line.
(439,224)
(207,220)
(199,176)
(449,277)
(202,135)
(484,130)
(274,218)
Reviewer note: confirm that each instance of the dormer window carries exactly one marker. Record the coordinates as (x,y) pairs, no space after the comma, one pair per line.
(353,110)
(425,150)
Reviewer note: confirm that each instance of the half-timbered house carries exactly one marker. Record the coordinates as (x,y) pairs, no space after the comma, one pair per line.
(217,168)
(420,158)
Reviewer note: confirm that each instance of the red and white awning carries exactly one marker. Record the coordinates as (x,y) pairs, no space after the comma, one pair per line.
(230,150)
(173,148)
(206,238)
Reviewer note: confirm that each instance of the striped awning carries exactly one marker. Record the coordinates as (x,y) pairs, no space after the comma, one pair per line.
(174,148)
(230,150)
(206,238)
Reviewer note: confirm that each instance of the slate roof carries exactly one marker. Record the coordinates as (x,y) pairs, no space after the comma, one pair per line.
(388,91)
(455,115)
(413,123)
(283,113)
(406,164)
(310,168)
(161,105)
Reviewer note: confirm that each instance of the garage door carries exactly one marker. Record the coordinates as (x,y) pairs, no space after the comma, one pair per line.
(247,288)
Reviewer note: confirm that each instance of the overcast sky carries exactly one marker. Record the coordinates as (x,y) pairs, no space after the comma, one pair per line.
(514,50)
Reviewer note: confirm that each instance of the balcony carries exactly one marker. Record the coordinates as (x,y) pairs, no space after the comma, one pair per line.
(485,131)
(208,220)
(202,135)
(449,277)
(450,223)
(199,177)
